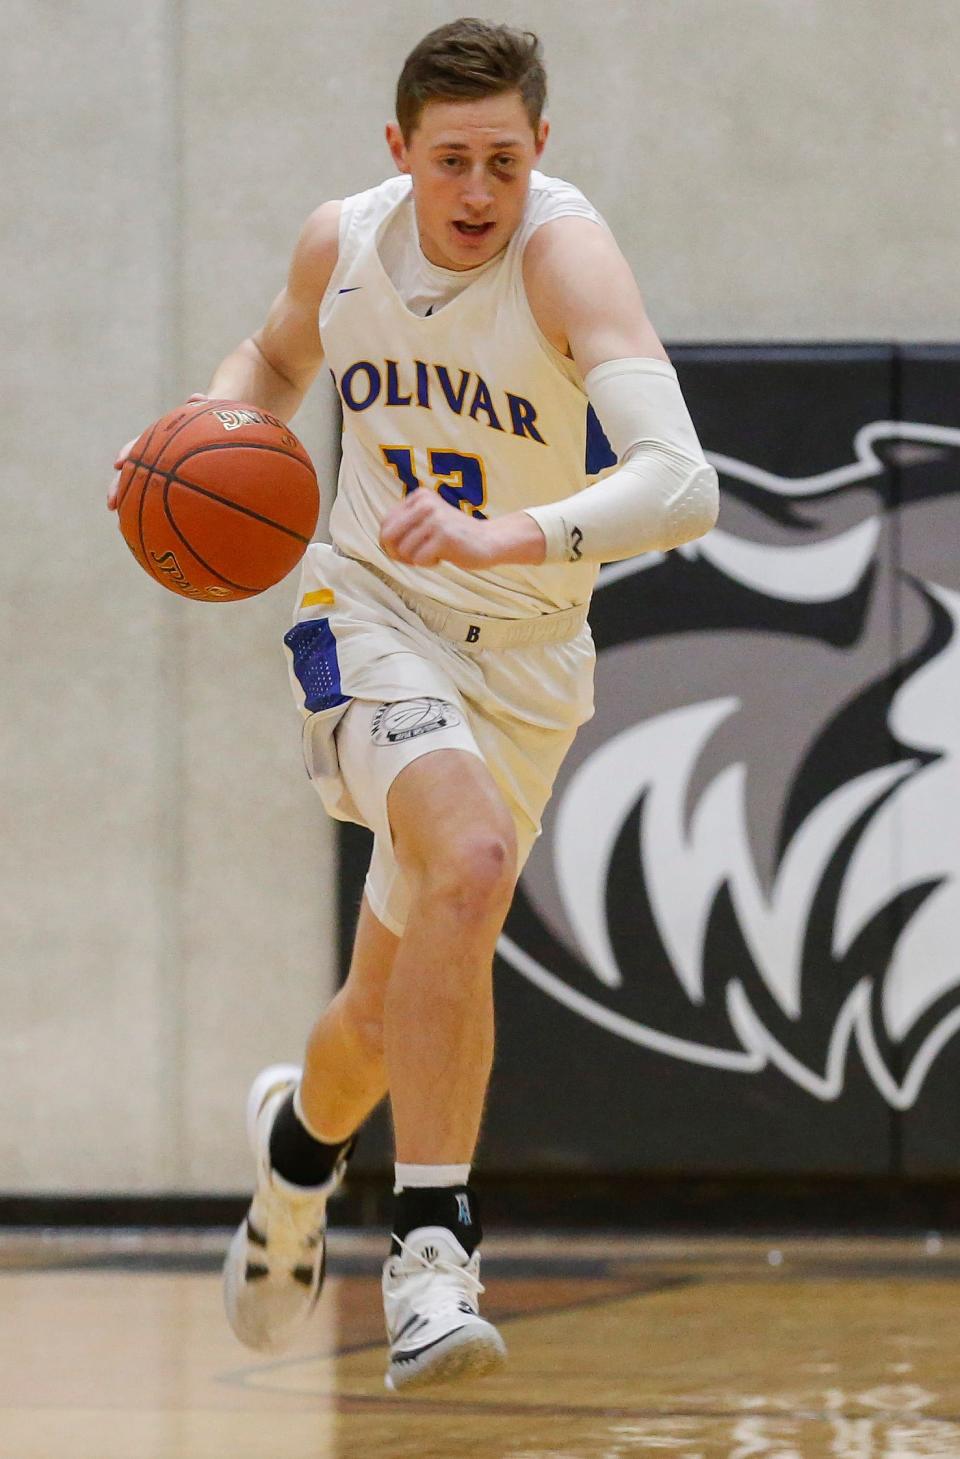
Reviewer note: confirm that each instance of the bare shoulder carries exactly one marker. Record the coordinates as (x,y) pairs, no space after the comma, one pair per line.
(316,252)
(584,296)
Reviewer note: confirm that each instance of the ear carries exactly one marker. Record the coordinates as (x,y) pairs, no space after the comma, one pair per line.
(543,132)
(398,147)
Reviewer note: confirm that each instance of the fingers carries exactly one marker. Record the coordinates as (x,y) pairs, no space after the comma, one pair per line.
(113,493)
(123,453)
(114,487)
(422,546)
(407,515)
(423,529)
(418,542)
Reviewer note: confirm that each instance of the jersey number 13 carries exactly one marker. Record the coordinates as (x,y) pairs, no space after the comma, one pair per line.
(459,479)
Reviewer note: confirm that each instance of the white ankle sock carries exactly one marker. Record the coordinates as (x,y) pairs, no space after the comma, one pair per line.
(417,1177)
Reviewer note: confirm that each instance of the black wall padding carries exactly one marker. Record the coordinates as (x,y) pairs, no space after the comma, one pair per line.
(734,947)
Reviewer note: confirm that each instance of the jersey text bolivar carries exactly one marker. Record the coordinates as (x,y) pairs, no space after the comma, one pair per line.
(364,383)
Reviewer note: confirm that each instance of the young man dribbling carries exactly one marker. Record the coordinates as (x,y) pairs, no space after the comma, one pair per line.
(469,309)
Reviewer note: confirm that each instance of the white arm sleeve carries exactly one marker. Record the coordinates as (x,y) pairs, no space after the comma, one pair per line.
(662,494)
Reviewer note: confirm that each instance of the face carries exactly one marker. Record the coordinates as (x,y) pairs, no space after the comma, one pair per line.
(470,162)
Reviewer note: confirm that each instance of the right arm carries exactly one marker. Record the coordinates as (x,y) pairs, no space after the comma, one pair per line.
(275,367)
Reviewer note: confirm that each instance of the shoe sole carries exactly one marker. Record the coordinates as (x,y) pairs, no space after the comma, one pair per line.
(465,1356)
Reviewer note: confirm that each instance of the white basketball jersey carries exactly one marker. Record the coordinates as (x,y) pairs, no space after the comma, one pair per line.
(471,401)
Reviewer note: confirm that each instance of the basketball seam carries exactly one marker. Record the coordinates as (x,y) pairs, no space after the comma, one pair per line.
(143,546)
(209,408)
(121,497)
(247,446)
(171,476)
(137,462)
(122,493)
(239,587)
(193,415)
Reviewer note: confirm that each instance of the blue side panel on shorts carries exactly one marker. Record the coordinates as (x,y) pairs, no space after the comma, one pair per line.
(315,664)
(600,454)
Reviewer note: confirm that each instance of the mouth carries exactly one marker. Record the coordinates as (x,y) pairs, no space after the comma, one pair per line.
(473,231)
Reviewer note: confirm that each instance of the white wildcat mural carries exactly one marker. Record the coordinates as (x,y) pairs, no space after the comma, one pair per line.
(765,812)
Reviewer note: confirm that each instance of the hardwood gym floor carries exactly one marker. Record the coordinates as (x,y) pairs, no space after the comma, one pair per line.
(115,1347)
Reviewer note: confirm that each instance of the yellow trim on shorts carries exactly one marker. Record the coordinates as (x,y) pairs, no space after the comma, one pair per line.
(324,596)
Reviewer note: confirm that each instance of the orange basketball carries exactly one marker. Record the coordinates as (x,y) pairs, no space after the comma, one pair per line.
(218,500)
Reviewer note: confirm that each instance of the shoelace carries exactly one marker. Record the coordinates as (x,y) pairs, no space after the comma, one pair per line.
(458,1281)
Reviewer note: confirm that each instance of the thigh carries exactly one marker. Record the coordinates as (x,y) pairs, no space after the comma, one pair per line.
(448,816)
(375,743)
(524,714)
(524,760)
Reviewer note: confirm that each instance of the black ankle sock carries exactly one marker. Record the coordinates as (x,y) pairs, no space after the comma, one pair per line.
(453,1206)
(295,1154)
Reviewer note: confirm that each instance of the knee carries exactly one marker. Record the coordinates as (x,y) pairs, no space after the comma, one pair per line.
(473,872)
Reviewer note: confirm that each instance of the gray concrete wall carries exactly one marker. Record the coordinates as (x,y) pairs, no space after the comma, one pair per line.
(774,169)
(166,868)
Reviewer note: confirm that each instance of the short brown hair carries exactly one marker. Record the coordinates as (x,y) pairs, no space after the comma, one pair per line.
(468,59)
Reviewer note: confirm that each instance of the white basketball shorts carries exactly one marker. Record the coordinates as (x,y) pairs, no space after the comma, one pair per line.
(378,688)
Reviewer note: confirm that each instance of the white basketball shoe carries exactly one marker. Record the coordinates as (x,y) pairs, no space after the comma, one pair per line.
(430,1301)
(275,1265)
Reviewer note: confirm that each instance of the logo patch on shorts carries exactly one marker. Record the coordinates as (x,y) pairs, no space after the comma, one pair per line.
(410,718)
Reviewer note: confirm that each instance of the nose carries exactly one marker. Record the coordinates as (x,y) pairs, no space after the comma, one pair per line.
(477,193)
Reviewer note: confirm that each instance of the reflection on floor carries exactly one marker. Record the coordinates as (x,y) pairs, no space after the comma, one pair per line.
(115,1347)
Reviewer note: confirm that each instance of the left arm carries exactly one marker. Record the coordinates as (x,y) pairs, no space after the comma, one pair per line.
(663,493)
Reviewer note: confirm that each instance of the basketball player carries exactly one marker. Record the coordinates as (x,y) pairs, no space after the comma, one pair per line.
(469,308)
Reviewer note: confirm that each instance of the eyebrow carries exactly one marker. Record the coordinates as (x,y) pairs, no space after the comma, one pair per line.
(502,146)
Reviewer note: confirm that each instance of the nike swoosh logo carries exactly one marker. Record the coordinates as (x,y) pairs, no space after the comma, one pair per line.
(352,290)
(412,1354)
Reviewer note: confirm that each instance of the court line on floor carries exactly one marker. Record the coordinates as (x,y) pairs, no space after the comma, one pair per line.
(240,1377)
